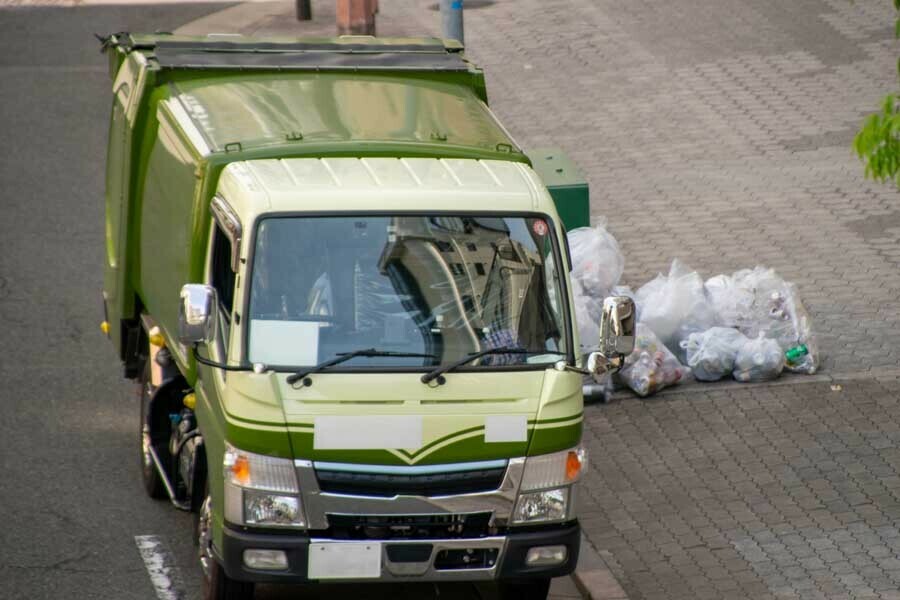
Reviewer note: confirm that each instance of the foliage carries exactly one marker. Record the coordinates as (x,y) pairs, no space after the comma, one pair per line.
(878,141)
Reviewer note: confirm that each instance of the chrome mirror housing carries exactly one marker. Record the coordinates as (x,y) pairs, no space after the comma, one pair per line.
(197,314)
(616,336)
(617,326)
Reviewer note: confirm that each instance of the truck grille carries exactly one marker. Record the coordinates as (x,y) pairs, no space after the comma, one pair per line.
(405,527)
(431,484)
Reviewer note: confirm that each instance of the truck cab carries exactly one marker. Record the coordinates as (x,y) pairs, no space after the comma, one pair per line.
(345,300)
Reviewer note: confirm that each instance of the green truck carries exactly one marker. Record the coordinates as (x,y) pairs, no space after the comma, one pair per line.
(342,290)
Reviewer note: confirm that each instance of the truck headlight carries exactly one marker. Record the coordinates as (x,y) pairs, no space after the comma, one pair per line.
(261,490)
(546,488)
(271,509)
(549,505)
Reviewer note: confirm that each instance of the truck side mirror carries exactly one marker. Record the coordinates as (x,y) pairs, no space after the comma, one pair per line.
(616,335)
(197,314)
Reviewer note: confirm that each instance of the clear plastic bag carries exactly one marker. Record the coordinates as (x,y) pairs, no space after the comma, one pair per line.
(731,303)
(675,306)
(778,313)
(597,261)
(760,359)
(710,354)
(651,366)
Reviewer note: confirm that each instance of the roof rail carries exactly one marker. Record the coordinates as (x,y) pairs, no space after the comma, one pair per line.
(355,53)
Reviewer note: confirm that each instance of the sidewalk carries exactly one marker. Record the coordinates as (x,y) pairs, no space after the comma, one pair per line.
(718,132)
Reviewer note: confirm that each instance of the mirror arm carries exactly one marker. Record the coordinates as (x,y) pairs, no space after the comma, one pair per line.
(575,369)
(211,363)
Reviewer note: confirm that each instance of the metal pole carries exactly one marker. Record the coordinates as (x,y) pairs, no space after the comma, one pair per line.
(452,20)
(304,10)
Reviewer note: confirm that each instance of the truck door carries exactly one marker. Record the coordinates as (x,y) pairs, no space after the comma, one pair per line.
(221,275)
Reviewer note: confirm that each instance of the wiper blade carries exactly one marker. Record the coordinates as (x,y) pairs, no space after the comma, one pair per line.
(436,374)
(344,357)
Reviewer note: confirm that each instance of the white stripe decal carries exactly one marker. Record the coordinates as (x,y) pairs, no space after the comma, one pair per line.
(160,566)
(554,425)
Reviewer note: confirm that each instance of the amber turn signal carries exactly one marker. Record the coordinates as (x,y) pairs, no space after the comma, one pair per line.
(156,337)
(573,466)
(241,470)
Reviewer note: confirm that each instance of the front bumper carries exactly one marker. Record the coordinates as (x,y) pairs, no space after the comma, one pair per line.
(410,560)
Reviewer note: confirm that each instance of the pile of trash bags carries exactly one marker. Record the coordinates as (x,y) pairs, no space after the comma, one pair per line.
(750,325)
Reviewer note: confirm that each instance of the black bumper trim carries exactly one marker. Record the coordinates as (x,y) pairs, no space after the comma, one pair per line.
(512,567)
(234,542)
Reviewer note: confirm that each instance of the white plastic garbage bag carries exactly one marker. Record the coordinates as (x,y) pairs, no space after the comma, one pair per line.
(674,306)
(597,261)
(651,366)
(759,359)
(710,354)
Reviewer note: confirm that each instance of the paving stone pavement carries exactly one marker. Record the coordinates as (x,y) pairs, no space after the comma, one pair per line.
(749,492)
(719,132)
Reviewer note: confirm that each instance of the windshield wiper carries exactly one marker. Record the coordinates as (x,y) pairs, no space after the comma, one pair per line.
(437,373)
(344,357)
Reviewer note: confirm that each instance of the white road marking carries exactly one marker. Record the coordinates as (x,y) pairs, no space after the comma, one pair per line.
(160,566)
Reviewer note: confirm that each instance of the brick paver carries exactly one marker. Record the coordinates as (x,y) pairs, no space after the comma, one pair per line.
(719,131)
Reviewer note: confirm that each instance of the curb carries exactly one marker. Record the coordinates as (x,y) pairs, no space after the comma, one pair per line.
(593,578)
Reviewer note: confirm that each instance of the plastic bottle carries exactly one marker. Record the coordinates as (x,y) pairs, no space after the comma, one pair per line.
(796,353)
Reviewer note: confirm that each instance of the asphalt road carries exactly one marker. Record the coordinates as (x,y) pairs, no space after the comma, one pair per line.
(71,501)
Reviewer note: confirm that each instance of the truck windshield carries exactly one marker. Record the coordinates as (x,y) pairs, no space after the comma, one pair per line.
(438,285)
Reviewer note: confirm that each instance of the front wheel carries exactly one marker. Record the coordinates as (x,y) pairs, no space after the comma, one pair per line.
(216,584)
(536,589)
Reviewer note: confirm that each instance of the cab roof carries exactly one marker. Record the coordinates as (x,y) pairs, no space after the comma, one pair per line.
(382,184)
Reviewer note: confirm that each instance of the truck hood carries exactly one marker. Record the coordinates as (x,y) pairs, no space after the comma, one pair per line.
(395,419)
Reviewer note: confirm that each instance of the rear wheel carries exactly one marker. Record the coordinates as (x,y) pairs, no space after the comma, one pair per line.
(536,589)
(216,584)
(153,483)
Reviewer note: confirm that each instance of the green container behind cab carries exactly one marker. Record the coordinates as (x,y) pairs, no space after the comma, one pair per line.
(566,185)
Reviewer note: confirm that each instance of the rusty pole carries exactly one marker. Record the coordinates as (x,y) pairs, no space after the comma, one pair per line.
(356,17)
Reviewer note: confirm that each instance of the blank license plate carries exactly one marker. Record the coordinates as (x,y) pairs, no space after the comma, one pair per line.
(360,560)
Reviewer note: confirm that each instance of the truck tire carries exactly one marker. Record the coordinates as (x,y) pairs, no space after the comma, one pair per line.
(153,483)
(536,589)
(216,584)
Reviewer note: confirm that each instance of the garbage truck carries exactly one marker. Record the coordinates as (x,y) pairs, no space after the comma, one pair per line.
(341,288)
